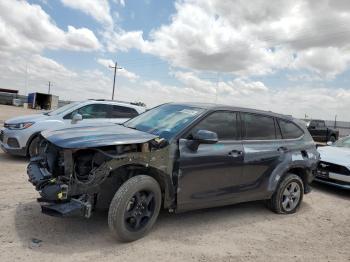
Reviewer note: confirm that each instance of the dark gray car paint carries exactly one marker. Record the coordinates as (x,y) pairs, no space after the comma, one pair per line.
(209,174)
(96,136)
(214,177)
(218,174)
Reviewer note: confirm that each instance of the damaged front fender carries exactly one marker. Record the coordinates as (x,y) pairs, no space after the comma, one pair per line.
(77,174)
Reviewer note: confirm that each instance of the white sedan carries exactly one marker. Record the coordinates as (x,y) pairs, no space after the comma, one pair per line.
(334,167)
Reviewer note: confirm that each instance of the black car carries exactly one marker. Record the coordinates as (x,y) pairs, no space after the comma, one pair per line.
(176,156)
(320,132)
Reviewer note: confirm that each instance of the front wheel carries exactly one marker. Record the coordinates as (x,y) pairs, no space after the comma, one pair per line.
(33,149)
(134,208)
(288,195)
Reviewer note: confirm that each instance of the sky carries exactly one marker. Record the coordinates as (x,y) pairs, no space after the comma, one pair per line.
(290,56)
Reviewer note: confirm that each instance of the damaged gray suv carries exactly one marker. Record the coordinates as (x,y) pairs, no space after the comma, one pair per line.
(178,157)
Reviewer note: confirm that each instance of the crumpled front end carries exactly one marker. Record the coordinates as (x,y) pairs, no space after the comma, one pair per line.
(69,180)
(48,173)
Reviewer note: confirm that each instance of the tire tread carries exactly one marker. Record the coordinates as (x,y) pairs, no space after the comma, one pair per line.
(118,201)
(274,203)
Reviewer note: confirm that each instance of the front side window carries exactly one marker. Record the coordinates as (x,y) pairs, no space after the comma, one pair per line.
(289,130)
(123,112)
(258,127)
(223,123)
(311,124)
(92,111)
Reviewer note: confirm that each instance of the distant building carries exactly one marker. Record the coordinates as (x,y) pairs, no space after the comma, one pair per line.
(9,91)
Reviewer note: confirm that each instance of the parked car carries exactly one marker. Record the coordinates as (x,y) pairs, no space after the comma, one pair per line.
(334,167)
(320,132)
(176,156)
(20,135)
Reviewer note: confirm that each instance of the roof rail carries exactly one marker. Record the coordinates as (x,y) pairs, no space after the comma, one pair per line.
(109,100)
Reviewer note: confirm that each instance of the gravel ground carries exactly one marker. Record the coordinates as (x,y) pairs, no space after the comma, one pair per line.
(320,231)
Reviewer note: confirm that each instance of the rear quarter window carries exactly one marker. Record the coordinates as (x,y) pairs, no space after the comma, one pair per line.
(289,129)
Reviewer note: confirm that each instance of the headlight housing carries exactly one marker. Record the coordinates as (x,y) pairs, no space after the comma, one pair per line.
(19,126)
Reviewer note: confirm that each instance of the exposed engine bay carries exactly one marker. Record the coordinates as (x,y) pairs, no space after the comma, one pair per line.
(75,181)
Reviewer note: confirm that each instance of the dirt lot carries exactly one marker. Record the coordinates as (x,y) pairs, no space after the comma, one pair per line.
(245,232)
(7,112)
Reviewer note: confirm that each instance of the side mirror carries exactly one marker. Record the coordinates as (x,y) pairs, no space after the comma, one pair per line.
(202,137)
(206,137)
(312,127)
(329,143)
(76,118)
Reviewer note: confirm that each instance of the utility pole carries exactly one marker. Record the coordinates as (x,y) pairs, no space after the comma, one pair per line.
(216,89)
(115,67)
(49,87)
(26,80)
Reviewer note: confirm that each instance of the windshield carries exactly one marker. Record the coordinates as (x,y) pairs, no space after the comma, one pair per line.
(62,109)
(165,121)
(343,142)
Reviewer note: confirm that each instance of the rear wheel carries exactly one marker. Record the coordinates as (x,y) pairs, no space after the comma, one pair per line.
(288,196)
(134,208)
(33,148)
(332,139)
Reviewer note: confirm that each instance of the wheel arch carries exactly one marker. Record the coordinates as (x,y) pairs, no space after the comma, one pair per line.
(30,140)
(303,171)
(123,173)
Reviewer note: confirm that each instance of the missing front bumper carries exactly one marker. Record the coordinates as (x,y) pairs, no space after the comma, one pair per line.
(74,207)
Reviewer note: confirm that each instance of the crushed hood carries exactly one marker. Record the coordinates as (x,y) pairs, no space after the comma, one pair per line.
(96,136)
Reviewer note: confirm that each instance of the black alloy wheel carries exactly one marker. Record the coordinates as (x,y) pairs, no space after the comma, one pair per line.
(140,210)
(134,208)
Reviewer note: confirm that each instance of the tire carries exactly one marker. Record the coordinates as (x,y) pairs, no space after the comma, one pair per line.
(139,194)
(332,139)
(283,201)
(33,147)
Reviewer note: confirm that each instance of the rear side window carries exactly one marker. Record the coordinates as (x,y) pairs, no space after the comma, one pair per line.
(258,127)
(223,123)
(289,129)
(123,112)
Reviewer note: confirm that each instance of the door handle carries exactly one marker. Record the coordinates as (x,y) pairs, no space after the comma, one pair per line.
(235,153)
(282,149)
